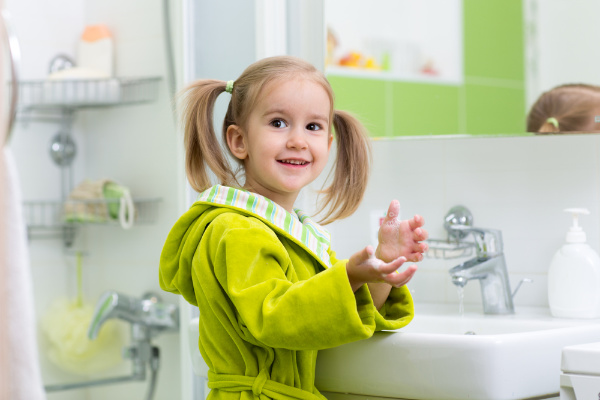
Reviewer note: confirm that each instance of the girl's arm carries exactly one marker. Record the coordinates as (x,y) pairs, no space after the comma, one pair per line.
(379,293)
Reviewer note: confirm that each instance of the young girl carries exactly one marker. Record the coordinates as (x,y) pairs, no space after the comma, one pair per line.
(566,108)
(270,290)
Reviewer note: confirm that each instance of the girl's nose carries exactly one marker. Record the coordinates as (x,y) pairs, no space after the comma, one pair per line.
(297,139)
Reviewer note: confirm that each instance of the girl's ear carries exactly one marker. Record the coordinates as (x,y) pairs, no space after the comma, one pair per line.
(237,142)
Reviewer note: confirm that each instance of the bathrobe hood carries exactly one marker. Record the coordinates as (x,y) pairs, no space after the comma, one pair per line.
(183,242)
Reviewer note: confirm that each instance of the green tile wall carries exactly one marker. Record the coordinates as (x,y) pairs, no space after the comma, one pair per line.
(425,109)
(493,39)
(490,101)
(494,67)
(494,110)
(365,98)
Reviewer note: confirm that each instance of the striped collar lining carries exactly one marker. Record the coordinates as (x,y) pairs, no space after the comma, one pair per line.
(301,227)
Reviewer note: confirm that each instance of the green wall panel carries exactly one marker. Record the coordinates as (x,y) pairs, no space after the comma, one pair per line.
(425,109)
(365,98)
(494,110)
(493,39)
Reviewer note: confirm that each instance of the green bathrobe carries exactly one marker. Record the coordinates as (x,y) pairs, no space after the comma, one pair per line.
(271,293)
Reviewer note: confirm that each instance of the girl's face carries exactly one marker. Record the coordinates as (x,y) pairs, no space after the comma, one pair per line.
(286,142)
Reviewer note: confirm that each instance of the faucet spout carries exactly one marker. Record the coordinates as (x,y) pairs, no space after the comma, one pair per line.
(148,313)
(493,278)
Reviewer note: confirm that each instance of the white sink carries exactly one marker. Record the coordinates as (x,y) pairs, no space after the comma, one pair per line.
(507,357)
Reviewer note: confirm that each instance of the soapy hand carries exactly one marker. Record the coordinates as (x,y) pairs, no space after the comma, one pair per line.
(363,267)
(401,238)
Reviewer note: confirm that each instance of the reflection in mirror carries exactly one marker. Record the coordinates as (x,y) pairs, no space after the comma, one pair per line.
(456,67)
(566,108)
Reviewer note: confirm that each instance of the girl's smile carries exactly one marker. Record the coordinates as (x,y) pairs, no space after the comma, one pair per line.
(291,163)
(286,141)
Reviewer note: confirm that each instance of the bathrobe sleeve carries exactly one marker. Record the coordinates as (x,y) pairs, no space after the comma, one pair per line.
(396,312)
(275,308)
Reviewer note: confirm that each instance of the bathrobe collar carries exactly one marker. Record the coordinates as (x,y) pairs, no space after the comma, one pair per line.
(299,226)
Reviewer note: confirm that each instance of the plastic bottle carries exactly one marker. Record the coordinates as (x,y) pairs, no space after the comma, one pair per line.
(95,50)
(574,275)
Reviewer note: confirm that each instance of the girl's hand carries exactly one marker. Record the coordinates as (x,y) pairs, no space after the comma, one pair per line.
(401,238)
(363,267)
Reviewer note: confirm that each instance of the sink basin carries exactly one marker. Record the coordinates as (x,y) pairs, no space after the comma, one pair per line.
(443,355)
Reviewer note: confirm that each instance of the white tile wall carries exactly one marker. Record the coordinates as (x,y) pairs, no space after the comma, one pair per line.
(45,28)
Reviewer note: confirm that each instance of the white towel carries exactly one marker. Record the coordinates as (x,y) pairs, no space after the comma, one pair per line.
(20,376)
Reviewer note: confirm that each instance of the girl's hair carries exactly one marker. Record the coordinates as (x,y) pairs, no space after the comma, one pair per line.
(353,160)
(566,108)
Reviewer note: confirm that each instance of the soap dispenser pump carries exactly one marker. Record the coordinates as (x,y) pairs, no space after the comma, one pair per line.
(574,275)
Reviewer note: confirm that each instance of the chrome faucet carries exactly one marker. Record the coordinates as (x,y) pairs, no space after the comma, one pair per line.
(148,315)
(489,267)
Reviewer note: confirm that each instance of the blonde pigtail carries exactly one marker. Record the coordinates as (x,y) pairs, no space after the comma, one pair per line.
(202,146)
(351,171)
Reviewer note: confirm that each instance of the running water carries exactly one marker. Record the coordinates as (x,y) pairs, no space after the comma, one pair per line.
(461,300)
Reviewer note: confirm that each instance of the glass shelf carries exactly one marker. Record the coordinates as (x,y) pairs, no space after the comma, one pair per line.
(362,73)
(85,93)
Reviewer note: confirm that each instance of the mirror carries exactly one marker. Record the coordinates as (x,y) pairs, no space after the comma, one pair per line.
(456,67)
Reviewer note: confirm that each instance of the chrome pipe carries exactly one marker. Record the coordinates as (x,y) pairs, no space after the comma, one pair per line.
(98,382)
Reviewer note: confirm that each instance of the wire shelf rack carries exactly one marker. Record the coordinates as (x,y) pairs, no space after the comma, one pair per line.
(44,218)
(82,93)
(446,249)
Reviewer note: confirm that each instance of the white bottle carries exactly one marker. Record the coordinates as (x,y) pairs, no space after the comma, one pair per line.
(95,50)
(574,276)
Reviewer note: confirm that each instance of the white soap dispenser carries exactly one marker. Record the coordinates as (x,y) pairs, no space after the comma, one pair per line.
(574,275)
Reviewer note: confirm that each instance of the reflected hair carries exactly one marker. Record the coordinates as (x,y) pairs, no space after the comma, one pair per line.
(346,183)
(565,108)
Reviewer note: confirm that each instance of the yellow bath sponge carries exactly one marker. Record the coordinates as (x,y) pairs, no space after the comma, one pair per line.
(65,325)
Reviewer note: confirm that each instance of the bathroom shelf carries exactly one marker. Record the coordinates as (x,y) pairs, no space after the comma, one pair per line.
(448,249)
(85,93)
(363,73)
(49,218)
(58,100)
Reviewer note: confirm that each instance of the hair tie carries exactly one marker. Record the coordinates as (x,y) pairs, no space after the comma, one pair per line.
(553,121)
(229,87)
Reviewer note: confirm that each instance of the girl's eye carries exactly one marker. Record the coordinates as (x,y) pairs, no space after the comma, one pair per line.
(313,127)
(278,123)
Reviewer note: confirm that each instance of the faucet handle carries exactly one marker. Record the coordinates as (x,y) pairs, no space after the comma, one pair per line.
(521,282)
(157,314)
